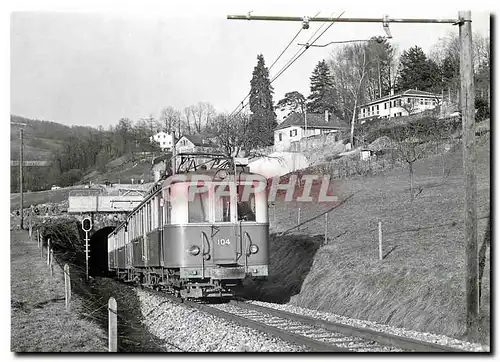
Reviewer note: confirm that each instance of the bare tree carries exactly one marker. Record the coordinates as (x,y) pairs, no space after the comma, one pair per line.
(171,118)
(230,133)
(202,113)
(411,141)
(410,106)
(153,125)
(187,115)
(350,67)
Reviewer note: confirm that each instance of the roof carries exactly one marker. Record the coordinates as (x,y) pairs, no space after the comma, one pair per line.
(314,120)
(409,92)
(197,140)
(161,158)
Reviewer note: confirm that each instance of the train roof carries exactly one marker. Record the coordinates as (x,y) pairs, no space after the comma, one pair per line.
(216,175)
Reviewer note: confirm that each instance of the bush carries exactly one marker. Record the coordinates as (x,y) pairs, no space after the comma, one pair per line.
(482,109)
(70,177)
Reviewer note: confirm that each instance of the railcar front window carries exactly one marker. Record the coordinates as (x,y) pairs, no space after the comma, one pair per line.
(197,206)
(246,205)
(222,203)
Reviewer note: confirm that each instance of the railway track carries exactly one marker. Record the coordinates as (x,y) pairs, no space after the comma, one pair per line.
(373,339)
(315,335)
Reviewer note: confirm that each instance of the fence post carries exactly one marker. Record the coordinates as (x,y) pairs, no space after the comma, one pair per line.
(380,256)
(67,286)
(112,325)
(38,238)
(298,218)
(48,251)
(326,228)
(274,215)
(41,247)
(51,260)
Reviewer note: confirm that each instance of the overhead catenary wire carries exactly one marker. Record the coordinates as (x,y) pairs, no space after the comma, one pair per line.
(292,60)
(303,49)
(242,103)
(298,51)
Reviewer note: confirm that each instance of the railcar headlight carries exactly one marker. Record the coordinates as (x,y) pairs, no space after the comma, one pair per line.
(254,249)
(194,250)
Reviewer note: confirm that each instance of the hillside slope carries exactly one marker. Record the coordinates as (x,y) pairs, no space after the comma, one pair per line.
(420,283)
(41,138)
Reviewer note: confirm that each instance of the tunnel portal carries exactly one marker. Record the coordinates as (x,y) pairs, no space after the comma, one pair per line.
(98,252)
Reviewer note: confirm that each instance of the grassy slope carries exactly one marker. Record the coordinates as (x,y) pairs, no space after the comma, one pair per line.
(137,170)
(40,197)
(420,284)
(39,320)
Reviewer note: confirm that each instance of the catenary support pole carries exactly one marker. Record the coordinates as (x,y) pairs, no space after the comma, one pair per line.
(469,161)
(342,20)
(21,177)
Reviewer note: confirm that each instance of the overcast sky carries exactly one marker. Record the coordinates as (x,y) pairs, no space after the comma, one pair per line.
(92,68)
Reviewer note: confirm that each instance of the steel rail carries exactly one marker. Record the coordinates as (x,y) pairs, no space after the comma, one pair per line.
(315,346)
(364,333)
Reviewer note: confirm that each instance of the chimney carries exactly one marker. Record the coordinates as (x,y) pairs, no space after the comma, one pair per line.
(326,115)
(392,91)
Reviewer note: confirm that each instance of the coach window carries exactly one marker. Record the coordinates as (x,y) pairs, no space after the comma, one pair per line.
(246,205)
(197,205)
(167,207)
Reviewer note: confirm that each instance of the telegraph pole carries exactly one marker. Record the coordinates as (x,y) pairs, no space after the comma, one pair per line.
(21,177)
(469,161)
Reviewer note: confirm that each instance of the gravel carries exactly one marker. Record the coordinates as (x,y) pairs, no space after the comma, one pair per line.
(190,330)
(355,344)
(423,336)
(183,328)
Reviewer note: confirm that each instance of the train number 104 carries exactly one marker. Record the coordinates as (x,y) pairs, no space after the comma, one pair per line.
(223,242)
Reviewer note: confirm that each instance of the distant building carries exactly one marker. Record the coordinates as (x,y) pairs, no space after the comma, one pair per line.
(194,143)
(298,126)
(163,139)
(397,105)
(161,165)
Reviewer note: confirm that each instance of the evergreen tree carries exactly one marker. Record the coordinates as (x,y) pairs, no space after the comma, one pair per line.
(322,91)
(263,119)
(292,102)
(417,72)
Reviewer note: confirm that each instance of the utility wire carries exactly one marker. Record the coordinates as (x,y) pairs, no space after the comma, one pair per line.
(298,51)
(275,61)
(293,59)
(303,49)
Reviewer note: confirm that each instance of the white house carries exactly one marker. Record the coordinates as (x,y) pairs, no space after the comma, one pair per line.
(163,139)
(301,125)
(194,143)
(397,105)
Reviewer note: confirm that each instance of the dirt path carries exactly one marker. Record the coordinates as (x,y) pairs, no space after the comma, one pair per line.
(39,320)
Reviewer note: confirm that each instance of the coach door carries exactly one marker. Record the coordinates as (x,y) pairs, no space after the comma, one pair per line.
(224,230)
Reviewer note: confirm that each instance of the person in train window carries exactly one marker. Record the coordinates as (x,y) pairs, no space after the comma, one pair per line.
(246,209)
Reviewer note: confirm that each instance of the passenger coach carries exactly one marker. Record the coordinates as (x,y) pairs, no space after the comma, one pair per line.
(196,234)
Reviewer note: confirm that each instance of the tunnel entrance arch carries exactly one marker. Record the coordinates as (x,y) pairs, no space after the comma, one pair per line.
(98,248)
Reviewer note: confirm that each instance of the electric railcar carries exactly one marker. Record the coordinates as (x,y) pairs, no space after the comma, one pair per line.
(196,234)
